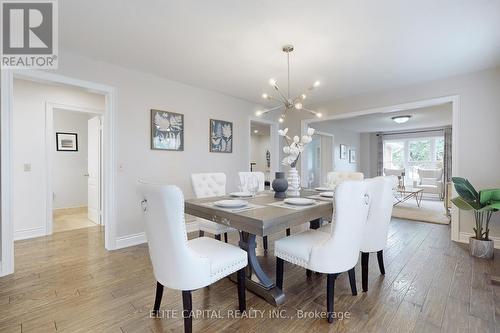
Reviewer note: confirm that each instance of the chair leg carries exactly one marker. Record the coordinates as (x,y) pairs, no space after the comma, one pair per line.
(352,281)
(218,237)
(241,289)
(187,314)
(159,294)
(364,270)
(380,258)
(225,237)
(308,273)
(287,232)
(264,241)
(201,233)
(279,273)
(330,287)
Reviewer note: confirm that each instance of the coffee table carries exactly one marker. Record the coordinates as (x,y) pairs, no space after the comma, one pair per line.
(406,193)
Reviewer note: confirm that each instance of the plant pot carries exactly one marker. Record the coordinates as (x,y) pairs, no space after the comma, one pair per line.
(280,185)
(481,248)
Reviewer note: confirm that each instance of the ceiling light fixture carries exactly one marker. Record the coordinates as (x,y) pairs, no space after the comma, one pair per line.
(287,103)
(256,131)
(401,119)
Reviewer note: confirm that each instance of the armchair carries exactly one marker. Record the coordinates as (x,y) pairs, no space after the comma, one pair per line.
(431,181)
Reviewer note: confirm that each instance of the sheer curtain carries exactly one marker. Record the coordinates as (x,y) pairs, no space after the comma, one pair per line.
(447,158)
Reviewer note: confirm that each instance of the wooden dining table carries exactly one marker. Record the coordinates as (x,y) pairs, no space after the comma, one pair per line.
(264,216)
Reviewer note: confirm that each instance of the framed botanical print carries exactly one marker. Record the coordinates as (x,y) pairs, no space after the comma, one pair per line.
(66,141)
(343,151)
(352,156)
(167,130)
(221,136)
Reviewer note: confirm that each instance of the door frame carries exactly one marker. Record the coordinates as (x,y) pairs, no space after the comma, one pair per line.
(49,157)
(274,138)
(456,128)
(109,148)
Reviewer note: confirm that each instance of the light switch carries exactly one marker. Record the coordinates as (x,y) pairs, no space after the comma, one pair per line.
(27,167)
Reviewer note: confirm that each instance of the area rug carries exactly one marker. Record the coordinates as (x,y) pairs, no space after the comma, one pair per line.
(429,211)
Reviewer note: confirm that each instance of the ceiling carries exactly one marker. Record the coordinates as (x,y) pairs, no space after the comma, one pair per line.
(428,117)
(235,47)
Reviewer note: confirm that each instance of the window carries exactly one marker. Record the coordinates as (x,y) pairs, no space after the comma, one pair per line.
(413,153)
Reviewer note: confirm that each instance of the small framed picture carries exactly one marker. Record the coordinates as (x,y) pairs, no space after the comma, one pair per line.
(221,136)
(352,156)
(167,130)
(343,151)
(66,141)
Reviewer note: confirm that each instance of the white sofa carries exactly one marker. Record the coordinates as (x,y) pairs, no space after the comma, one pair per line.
(431,181)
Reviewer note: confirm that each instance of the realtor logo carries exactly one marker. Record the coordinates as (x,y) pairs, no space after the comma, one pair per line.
(29,34)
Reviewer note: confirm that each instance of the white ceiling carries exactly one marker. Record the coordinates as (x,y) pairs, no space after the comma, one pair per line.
(234,47)
(428,117)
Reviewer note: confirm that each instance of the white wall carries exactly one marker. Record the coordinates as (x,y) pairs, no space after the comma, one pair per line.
(342,136)
(138,92)
(69,168)
(478,148)
(259,145)
(29,196)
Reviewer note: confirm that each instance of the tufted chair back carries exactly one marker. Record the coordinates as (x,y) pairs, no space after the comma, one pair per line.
(379,215)
(341,251)
(260,176)
(175,265)
(208,184)
(337,177)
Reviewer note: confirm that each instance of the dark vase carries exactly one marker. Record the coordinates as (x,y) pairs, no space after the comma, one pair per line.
(280,185)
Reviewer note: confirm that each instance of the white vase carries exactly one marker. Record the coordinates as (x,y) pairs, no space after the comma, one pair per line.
(293,183)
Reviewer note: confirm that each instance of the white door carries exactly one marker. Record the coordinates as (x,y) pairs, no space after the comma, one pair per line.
(94,170)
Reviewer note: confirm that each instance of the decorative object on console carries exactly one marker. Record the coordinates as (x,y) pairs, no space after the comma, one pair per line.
(221,136)
(280,185)
(167,130)
(484,204)
(343,151)
(66,141)
(352,156)
(288,103)
(293,148)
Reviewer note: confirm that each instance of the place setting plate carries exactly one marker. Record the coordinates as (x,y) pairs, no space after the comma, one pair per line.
(231,204)
(324,189)
(327,194)
(299,201)
(241,194)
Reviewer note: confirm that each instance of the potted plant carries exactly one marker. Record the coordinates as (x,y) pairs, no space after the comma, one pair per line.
(293,148)
(483,204)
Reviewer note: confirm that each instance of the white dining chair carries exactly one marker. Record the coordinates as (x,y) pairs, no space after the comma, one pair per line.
(335,178)
(377,225)
(207,185)
(330,253)
(181,264)
(244,175)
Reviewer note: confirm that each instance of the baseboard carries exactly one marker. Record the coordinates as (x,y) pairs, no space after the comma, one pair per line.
(464,238)
(130,240)
(29,233)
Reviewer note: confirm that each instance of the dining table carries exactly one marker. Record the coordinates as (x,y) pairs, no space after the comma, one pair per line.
(264,215)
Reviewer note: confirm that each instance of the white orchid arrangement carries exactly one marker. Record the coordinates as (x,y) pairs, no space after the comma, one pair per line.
(294,146)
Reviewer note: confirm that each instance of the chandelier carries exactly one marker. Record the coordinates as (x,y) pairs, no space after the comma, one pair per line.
(288,103)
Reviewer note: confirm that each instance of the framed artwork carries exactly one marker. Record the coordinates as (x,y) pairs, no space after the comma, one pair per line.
(221,136)
(343,151)
(352,156)
(167,130)
(66,141)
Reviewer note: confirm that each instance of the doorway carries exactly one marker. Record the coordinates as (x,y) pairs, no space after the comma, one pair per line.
(264,148)
(319,160)
(39,183)
(75,194)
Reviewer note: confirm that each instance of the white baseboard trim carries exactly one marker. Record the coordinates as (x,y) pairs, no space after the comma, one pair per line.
(130,240)
(29,233)
(464,238)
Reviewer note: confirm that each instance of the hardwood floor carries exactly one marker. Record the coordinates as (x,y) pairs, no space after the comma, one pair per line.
(71,218)
(67,282)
